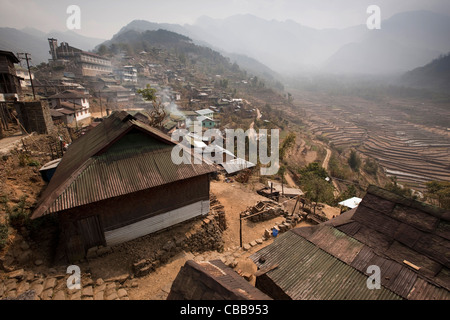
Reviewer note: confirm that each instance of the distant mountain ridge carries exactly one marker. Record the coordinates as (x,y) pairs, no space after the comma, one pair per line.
(405,41)
(434,75)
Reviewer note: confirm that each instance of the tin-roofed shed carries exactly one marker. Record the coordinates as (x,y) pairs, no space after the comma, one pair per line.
(118,183)
(408,240)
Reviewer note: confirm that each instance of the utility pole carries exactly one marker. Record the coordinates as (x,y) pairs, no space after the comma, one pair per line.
(29,71)
(101,107)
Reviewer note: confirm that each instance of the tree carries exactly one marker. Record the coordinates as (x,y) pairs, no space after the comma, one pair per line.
(349,193)
(102,50)
(317,189)
(371,166)
(158,114)
(439,192)
(315,169)
(290,98)
(287,144)
(354,161)
(400,190)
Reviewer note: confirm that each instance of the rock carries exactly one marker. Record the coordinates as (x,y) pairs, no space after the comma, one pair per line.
(11,294)
(259,241)
(23,287)
(231,262)
(99,295)
(87,292)
(38,288)
(121,279)
(104,251)
(134,283)
(253,243)
(140,264)
(38,262)
(102,287)
(50,283)
(29,276)
(87,281)
(52,271)
(99,282)
(47,294)
(29,295)
(17,274)
(60,295)
(24,246)
(112,296)
(111,286)
(24,257)
(92,253)
(247,276)
(11,286)
(122,293)
(246,247)
(76,295)
(8,263)
(144,271)
(169,246)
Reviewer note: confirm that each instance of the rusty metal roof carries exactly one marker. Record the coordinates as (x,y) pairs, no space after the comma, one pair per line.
(212,280)
(118,157)
(408,240)
(306,272)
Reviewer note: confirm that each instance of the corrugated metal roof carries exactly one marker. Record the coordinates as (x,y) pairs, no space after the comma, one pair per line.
(385,230)
(96,167)
(236,165)
(307,272)
(423,290)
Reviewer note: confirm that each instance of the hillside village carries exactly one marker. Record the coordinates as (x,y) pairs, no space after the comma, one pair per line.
(87,180)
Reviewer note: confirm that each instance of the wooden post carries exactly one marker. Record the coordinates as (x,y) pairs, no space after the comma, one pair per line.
(295,207)
(240,230)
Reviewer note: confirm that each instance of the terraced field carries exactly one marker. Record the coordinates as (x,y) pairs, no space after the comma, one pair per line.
(406,147)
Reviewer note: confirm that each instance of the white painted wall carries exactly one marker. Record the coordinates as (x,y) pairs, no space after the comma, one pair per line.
(157,223)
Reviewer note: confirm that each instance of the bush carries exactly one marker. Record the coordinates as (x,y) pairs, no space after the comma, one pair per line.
(354,161)
(25,160)
(371,167)
(18,216)
(3,235)
(338,171)
(34,163)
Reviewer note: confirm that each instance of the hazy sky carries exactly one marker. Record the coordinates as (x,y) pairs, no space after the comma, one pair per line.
(104,18)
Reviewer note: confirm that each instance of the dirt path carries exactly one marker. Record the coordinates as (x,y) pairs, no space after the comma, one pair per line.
(289,180)
(9,143)
(327,159)
(258,114)
(325,163)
